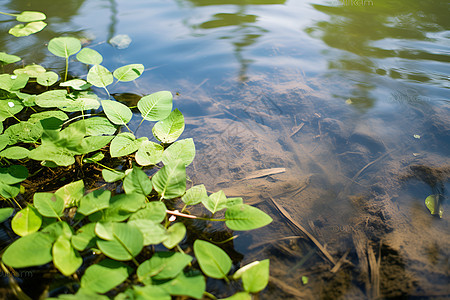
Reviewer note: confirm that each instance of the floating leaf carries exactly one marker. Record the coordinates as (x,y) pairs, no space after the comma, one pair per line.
(149,292)
(163,265)
(89,56)
(105,275)
(239,296)
(255,276)
(170,180)
(32,71)
(149,153)
(195,195)
(68,102)
(10,178)
(25,132)
(156,106)
(213,261)
(47,78)
(94,201)
(30,16)
(245,217)
(15,152)
(120,41)
(85,237)
(215,202)
(76,84)
(129,72)
(123,144)
(185,285)
(97,126)
(112,176)
(71,193)
(5,213)
(49,204)
(65,258)
(34,118)
(26,221)
(9,108)
(120,207)
(13,82)
(175,234)
(169,129)
(99,76)
(25,30)
(152,232)
(6,59)
(117,112)
(137,182)
(64,46)
(154,211)
(183,149)
(434,206)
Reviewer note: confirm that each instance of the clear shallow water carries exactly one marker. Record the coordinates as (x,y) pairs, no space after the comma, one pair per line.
(364,77)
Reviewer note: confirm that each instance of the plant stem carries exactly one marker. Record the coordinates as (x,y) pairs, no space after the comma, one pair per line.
(211,296)
(67,68)
(6,14)
(17,203)
(192,217)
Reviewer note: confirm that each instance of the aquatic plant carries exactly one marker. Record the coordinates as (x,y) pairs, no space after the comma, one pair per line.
(108,236)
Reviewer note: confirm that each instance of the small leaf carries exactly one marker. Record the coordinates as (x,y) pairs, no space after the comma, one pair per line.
(117,112)
(154,211)
(129,72)
(30,16)
(149,153)
(25,30)
(76,84)
(153,233)
(89,56)
(175,234)
(6,59)
(156,106)
(94,201)
(65,258)
(170,180)
(18,254)
(15,152)
(26,221)
(245,217)
(195,195)
(185,285)
(123,144)
(49,204)
(137,182)
(99,76)
(64,46)
(213,261)
(215,202)
(183,149)
(169,129)
(47,78)
(31,71)
(105,275)
(255,276)
(434,206)
(112,176)
(163,265)
(9,108)
(5,213)
(71,193)
(85,237)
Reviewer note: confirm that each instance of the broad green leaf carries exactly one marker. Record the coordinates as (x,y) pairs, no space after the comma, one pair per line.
(15,152)
(137,182)
(47,78)
(117,112)
(93,143)
(112,176)
(64,46)
(65,258)
(170,180)
(245,217)
(6,59)
(5,213)
(127,243)
(85,237)
(99,76)
(9,108)
(71,193)
(123,144)
(31,71)
(57,229)
(195,195)
(76,84)
(94,201)
(34,118)
(89,56)
(4,141)
(18,254)
(30,16)
(13,83)
(149,153)
(68,102)
(156,106)
(82,294)
(239,296)
(163,265)
(169,129)
(26,221)
(105,230)
(215,202)
(255,276)
(213,261)
(97,126)
(129,72)
(9,191)
(50,152)
(48,204)
(25,30)
(434,206)
(185,285)
(13,174)
(25,132)
(175,234)
(154,211)
(152,232)
(149,292)
(183,149)
(105,275)
(121,207)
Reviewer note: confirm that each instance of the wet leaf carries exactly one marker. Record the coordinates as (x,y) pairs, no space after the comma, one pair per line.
(183,149)
(9,108)
(169,129)
(163,265)
(6,59)
(433,205)
(65,258)
(195,195)
(25,30)
(245,217)
(47,78)
(255,276)
(175,234)
(49,204)
(89,56)
(117,112)
(64,46)
(99,76)
(26,221)
(153,233)
(137,182)
(170,180)
(129,72)
(149,153)
(71,193)
(30,16)
(156,106)
(31,71)
(68,102)
(213,261)
(105,275)
(13,83)
(94,201)
(76,84)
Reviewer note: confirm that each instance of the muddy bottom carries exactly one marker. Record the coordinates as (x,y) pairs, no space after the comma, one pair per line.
(346,190)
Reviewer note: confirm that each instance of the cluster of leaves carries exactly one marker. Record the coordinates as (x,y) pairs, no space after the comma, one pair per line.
(31,22)
(69,126)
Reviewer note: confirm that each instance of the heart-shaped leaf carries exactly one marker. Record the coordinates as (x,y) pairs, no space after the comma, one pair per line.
(47,78)
(94,201)
(49,204)
(105,275)
(156,106)
(137,182)
(175,234)
(25,30)
(116,112)
(123,144)
(99,76)
(64,46)
(195,195)
(149,153)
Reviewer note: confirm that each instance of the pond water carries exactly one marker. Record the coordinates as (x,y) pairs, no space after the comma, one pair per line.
(349,97)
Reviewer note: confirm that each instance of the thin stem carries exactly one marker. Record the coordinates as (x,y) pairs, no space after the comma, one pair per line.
(139,124)
(192,217)
(109,95)
(6,14)
(17,203)
(67,68)
(211,296)
(184,207)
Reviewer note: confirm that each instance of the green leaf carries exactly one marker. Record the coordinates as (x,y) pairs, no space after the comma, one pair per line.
(123,144)
(127,242)
(76,84)
(25,30)
(6,59)
(65,258)
(183,149)
(149,153)
(169,129)
(30,16)
(170,180)
(47,78)
(99,76)
(26,132)
(239,296)
(13,174)
(29,251)
(195,195)
(245,217)
(26,221)
(129,72)
(117,112)
(89,56)
(64,46)
(15,152)
(156,106)
(137,182)
(5,213)
(85,237)
(57,229)
(97,126)
(31,71)
(94,158)
(49,204)
(255,276)
(112,176)
(9,108)
(154,211)
(69,103)
(152,232)
(213,261)
(175,234)
(34,118)
(4,140)
(105,275)
(163,265)
(149,292)
(185,285)
(71,193)
(13,83)
(94,201)
(121,207)
(93,143)
(215,202)
(434,206)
